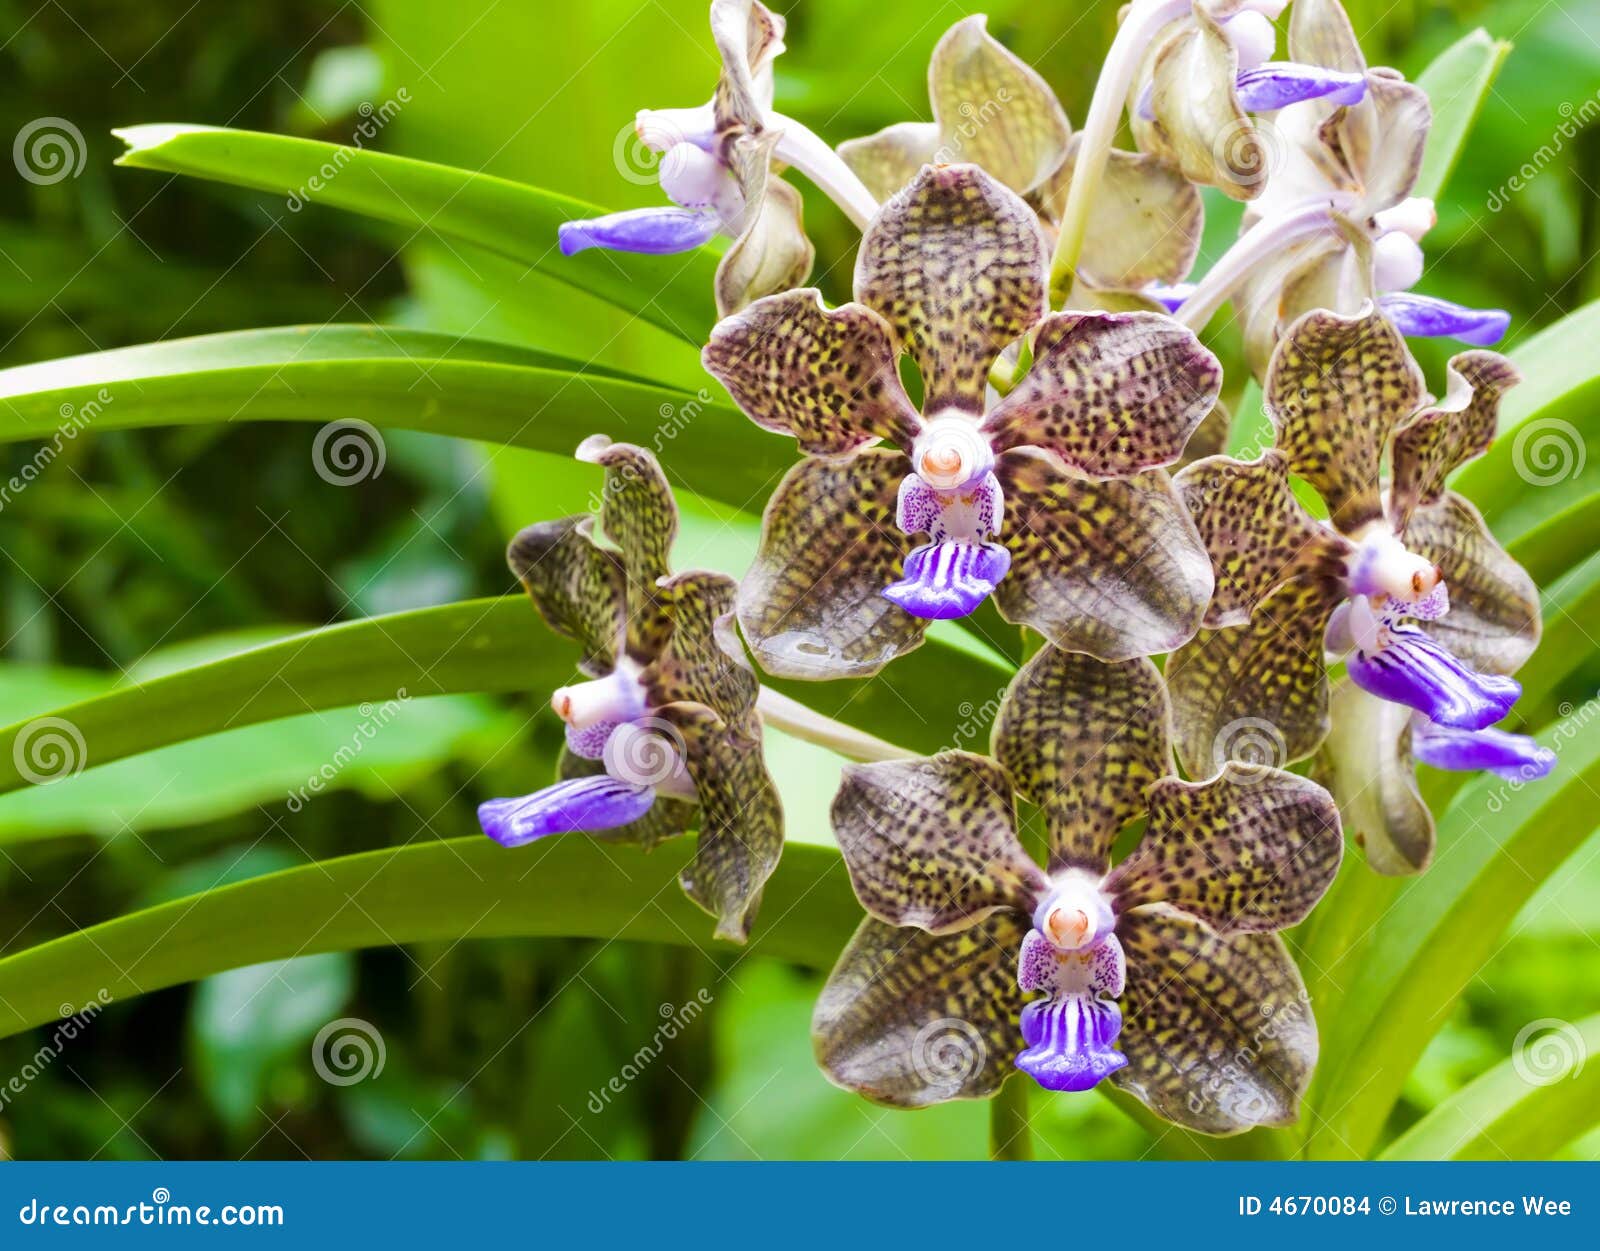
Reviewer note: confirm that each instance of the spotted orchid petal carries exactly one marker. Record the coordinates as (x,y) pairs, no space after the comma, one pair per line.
(748,37)
(1082,739)
(955,263)
(655,231)
(1494,620)
(1261,686)
(1379,143)
(580,804)
(578,587)
(1257,533)
(1443,437)
(885,162)
(932,843)
(1253,848)
(1426,316)
(770,251)
(1366,763)
(1109,394)
(1336,388)
(702,661)
(827,376)
(1111,568)
(1277,84)
(949,579)
(639,515)
(812,604)
(910,1019)
(1413,669)
(1196,1002)
(1210,437)
(1515,757)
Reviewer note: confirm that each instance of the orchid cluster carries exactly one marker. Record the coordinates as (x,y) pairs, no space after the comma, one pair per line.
(1016,406)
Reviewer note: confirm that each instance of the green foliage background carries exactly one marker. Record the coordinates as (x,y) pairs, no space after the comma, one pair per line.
(142,552)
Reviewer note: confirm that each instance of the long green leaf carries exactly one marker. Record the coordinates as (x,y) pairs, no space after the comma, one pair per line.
(1525,1108)
(438,891)
(1457,82)
(512,219)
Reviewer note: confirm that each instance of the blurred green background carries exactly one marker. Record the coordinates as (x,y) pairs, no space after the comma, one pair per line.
(139,551)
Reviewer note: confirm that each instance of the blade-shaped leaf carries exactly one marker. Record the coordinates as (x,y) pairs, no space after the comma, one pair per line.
(1457,82)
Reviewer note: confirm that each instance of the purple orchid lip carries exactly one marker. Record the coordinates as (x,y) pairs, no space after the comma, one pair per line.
(1278,84)
(1070,1042)
(1414,670)
(1515,757)
(949,579)
(649,231)
(1426,316)
(573,806)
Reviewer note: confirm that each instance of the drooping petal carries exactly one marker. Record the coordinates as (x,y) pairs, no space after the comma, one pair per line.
(956,263)
(651,231)
(703,660)
(1414,669)
(1258,690)
(826,376)
(1444,436)
(890,159)
(741,817)
(1109,394)
(1494,620)
(580,804)
(770,252)
(812,604)
(993,109)
(909,1018)
(748,36)
(1071,1042)
(639,515)
(1277,84)
(1111,568)
(1217,1028)
(1515,757)
(1381,140)
(1320,34)
(669,816)
(949,579)
(1366,763)
(1083,739)
(1257,533)
(578,587)
(1426,316)
(1253,848)
(1336,388)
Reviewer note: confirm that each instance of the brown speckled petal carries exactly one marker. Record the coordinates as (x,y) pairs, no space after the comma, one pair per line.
(993,109)
(956,264)
(910,1019)
(578,587)
(1217,1028)
(703,660)
(826,376)
(1257,533)
(890,159)
(1109,394)
(1336,388)
(1083,739)
(1111,568)
(639,515)
(1320,34)
(748,36)
(667,817)
(1367,764)
(1443,437)
(812,605)
(1494,621)
(1210,437)
(1257,691)
(933,842)
(1381,140)
(1253,848)
(741,817)
(772,252)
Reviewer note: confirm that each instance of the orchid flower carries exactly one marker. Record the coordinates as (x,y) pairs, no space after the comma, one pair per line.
(974,960)
(663,736)
(1429,611)
(994,110)
(1053,500)
(1337,224)
(719,166)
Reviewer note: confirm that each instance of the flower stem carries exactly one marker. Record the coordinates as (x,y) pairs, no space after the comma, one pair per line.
(794,718)
(802,148)
(1145,18)
(1262,242)
(1010,1138)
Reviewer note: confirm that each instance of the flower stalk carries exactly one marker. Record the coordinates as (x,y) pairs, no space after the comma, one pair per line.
(796,720)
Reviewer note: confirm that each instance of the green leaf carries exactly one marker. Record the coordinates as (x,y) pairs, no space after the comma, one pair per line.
(1457,82)
(1554,546)
(512,219)
(1525,1108)
(571,886)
